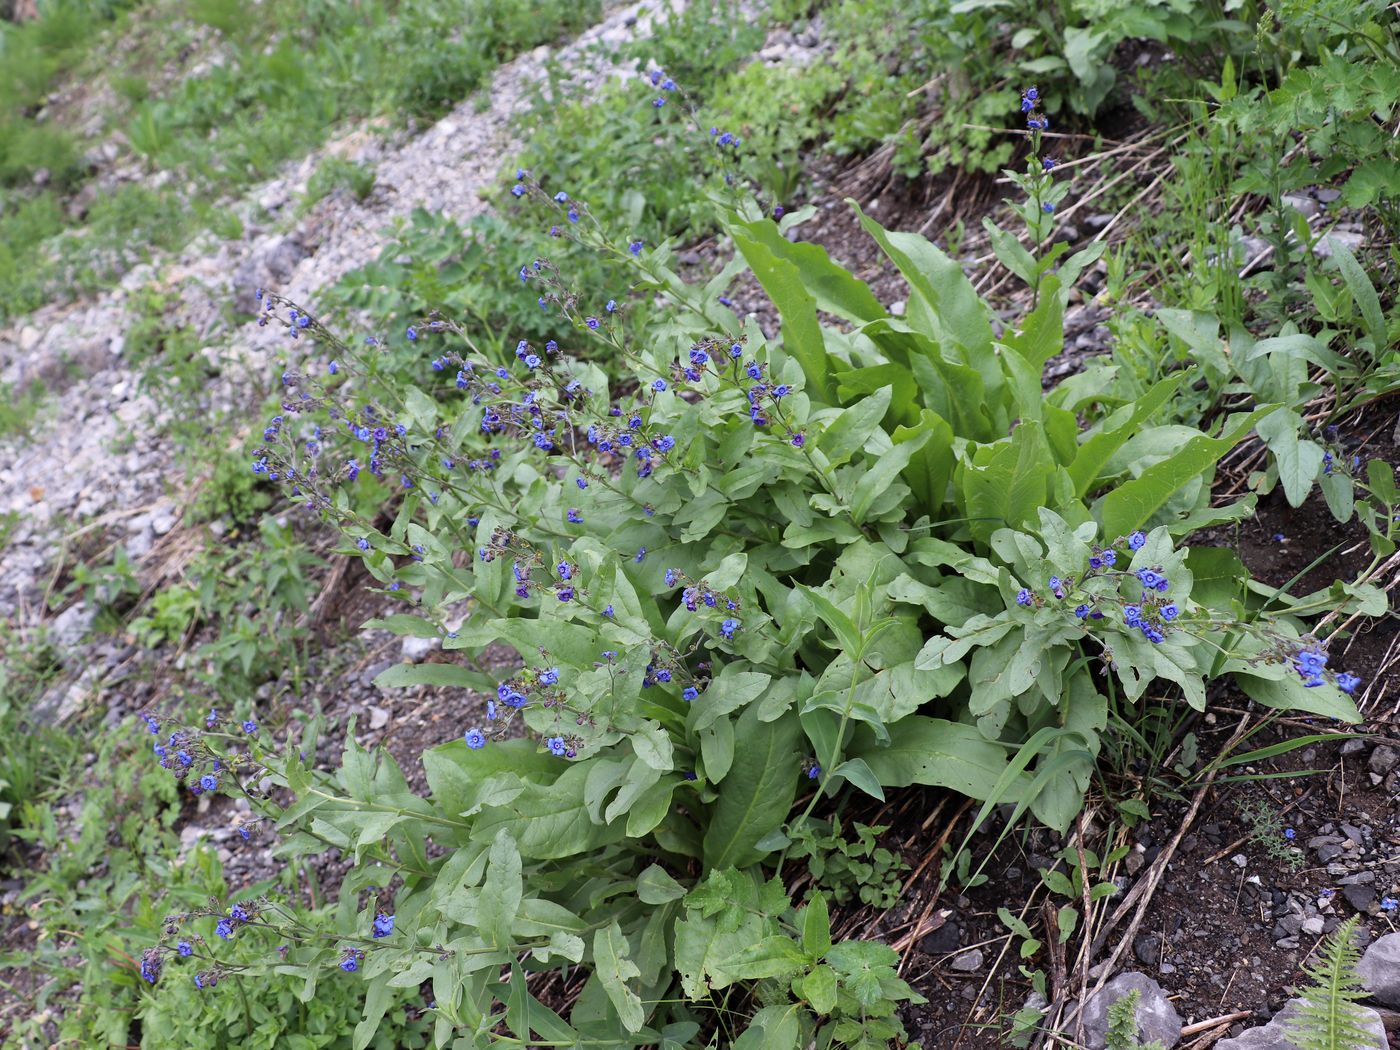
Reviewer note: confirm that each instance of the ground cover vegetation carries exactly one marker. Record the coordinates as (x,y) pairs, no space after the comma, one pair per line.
(756,570)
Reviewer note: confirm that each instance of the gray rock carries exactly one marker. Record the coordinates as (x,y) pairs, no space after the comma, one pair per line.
(69,627)
(1360,897)
(1157,1017)
(1148,949)
(1301,203)
(1351,747)
(414,649)
(1274,1035)
(1313,926)
(947,938)
(1380,969)
(968,961)
(1384,759)
(1351,239)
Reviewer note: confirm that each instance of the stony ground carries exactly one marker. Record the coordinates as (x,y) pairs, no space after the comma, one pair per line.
(1237,910)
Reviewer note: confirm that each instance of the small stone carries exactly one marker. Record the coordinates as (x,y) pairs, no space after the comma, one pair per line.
(1351,747)
(1350,239)
(1148,949)
(968,961)
(1313,927)
(1384,759)
(1380,969)
(1157,1017)
(947,938)
(1239,860)
(414,649)
(378,717)
(1275,1034)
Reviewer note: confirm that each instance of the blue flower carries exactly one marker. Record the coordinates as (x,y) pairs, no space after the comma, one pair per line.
(556,746)
(641,553)
(565,594)
(1289,834)
(635,247)
(1132,615)
(383,925)
(663,675)
(199,981)
(566,571)
(238,913)
(224,928)
(1136,541)
(412,333)
(1311,662)
(574,517)
(332,368)
(608,612)
(185,949)
(1388,903)
(659,385)
(209,782)
(351,960)
(814,771)
(610,306)
(1170,612)
(1047,163)
(728,627)
(561,196)
(1048,207)
(1347,683)
(250,726)
(1081,611)
(475,738)
(518,190)
(1149,578)
(549,676)
(1024,597)
(690,692)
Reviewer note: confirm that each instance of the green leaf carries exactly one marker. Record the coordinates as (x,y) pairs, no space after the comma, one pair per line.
(1290,694)
(434,674)
(498,903)
(854,426)
(613,964)
(656,886)
(1298,461)
(819,989)
(1133,503)
(959,312)
(730,690)
(802,334)
(758,792)
(775,956)
(1363,292)
(938,752)
(834,288)
(1115,432)
(376,1003)
(816,927)
(862,776)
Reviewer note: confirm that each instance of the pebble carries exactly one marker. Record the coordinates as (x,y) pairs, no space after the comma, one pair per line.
(968,961)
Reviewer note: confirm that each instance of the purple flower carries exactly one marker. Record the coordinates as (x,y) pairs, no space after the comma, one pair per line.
(635,247)
(1081,611)
(671,575)
(412,333)
(185,949)
(475,739)
(1347,683)
(383,925)
(250,726)
(728,627)
(1024,597)
(1170,612)
(1136,540)
(574,517)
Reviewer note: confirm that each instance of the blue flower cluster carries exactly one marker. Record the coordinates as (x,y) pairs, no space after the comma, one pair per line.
(1150,613)
(1311,665)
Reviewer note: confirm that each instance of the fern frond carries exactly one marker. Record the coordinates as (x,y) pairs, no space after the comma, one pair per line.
(1328,1018)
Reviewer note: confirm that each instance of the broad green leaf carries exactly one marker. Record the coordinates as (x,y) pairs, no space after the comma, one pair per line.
(656,886)
(376,1003)
(613,963)
(819,989)
(775,956)
(1133,503)
(434,674)
(758,792)
(1363,292)
(816,927)
(938,752)
(802,334)
(834,288)
(1290,694)
(498,902)
(854,426)
(730,690)
(858,773)
(1116,430)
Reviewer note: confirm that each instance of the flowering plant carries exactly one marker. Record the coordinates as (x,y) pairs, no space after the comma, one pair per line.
(733,567)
